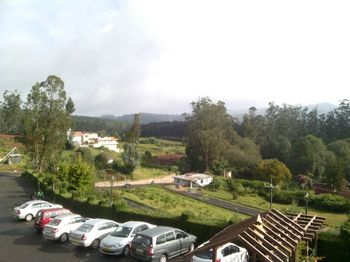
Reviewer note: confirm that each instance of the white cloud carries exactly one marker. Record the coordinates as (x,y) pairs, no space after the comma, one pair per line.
(157,56)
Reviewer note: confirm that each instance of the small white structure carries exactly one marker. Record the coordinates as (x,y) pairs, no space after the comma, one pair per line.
(108,142)
(191,179)
(76,138)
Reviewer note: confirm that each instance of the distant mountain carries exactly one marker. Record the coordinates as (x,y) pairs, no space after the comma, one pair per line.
(146,118)
(322,108)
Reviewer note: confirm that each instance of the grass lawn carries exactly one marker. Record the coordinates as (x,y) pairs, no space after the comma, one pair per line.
(172,204)
(332,219)
(146,173)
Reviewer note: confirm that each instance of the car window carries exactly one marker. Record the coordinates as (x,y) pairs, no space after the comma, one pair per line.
(142,240)
(102,227)
(55,222)
(169,236)
(229,250)
(85,228)
(160,239)
(206,254)
(45,205)
(139,228)
(53,214)
(180,234)
(121,232)
(23,205)
(111,225)
(36,205)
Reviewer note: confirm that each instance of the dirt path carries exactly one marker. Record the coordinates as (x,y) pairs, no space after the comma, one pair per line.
(157,180)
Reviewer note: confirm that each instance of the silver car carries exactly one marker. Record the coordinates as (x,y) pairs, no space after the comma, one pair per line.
(92,232)
(118,242)
(60,227)
(161,243)
(30,209)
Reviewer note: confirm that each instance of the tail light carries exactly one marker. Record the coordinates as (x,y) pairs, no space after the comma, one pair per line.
(150,251)
(218,260)
(83,237)
(55,230)
(18,212)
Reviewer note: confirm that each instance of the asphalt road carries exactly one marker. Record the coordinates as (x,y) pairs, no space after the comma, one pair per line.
(20,242)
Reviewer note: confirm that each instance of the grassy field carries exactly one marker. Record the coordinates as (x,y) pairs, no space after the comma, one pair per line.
(333,219)
(160,147)
(174,205)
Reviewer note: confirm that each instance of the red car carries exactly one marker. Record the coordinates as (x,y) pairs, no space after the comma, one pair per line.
(45,216)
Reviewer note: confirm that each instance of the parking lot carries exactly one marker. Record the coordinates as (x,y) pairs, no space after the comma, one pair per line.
(19,241)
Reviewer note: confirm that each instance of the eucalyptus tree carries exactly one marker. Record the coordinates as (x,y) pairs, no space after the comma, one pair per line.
(46,122)
(11,112)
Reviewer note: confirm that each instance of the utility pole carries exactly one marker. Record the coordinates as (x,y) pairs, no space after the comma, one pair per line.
(111,193)
(270,187)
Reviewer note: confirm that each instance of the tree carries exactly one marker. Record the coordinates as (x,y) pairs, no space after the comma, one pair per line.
(80,176)
(272,169)
(341,150)
(135,130)
(334,171)
(11,112)
(130,157)
(307,156)
(46,121)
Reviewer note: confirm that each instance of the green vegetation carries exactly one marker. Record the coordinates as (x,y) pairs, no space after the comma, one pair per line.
(172,204)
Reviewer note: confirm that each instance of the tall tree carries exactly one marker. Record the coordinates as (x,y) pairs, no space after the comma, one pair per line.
(46,121)
(272,169)
(211,139)
(135,130)
(11,112)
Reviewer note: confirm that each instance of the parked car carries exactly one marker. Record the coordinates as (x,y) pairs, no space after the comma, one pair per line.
(228,252)
(60,227)
(92,232)
(118,242)
(45,216)
(161,243)
(29,209)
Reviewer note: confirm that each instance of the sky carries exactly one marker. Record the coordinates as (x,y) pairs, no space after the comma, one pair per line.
(123,57)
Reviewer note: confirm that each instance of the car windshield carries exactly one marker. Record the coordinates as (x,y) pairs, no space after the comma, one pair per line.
(121,232)
(55,222)
(207,254)
(39,215)
(23,205)
(85,228)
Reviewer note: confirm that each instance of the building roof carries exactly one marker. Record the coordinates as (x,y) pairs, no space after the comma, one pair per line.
(271,236)
(192,176)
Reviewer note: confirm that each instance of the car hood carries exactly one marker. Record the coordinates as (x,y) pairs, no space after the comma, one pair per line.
(111,240)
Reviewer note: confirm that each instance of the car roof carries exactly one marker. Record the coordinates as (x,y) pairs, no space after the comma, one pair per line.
(67,216)
(36,201)
(133,224)
(52,209)
(97,221)
(152,232)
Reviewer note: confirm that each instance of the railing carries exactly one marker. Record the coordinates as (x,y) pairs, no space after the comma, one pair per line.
(7,156)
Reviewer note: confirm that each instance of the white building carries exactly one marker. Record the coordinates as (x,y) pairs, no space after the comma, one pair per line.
(193,179)
(108,142)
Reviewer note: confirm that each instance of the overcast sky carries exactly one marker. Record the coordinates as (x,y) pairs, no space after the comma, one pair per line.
(119,57)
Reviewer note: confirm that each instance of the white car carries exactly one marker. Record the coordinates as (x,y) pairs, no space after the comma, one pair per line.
(60,227)
(228,252)
(30,209)
(92,232)
(118,242)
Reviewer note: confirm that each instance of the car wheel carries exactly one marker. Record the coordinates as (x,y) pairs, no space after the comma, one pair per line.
(95,244)
(163,258)
(191,248)
(126,250)
(29,217)
(64,237)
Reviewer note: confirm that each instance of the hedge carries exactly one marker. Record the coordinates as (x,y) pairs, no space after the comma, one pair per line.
(332,203)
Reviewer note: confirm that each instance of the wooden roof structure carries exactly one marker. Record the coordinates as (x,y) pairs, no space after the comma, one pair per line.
(271,236)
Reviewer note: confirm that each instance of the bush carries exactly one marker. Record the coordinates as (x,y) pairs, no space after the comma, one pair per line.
(332,203)
(288,197)
(258,187)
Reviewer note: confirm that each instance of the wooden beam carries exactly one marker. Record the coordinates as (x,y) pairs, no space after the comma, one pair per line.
(280,238)
(262,248)
(271,226)
(251,247)
(290,221)
(283,229)
(275,242)
(291,227)
(267,244)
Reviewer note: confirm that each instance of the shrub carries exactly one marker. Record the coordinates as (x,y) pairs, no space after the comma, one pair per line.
(288,197)
(329,202)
